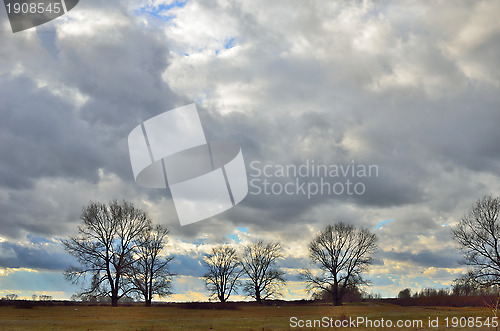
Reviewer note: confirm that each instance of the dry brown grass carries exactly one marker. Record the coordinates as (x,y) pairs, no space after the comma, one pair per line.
(246,317)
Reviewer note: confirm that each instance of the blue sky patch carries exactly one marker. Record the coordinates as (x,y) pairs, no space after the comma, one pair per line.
(382,223)
(230,43)
(234,237)
(159,11)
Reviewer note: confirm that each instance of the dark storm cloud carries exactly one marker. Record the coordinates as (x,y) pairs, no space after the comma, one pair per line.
(425,258)
(40,136)
(188,265)
(121,82)
(124,84)
(67,112)
(34,256)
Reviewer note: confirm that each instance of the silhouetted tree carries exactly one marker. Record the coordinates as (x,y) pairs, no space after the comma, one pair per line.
(104,247)
(11,297)
(478,235)
(224,270)
(342,252)
(404,294)
(259,264)
(465,286)
(150,274)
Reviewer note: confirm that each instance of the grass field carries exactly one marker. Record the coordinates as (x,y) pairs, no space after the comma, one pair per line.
(245,317)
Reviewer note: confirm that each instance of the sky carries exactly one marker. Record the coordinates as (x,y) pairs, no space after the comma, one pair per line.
(408,88)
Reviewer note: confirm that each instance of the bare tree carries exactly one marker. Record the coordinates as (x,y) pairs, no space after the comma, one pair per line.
(478,235)
(342,252)
(259,265)
(224,270)
(11,297)
(150,274)
(104,247)
(465,285)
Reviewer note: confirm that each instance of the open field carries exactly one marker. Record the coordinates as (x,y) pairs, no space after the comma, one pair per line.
(245,317)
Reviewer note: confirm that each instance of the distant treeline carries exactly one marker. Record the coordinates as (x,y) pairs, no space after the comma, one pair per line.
(460,295)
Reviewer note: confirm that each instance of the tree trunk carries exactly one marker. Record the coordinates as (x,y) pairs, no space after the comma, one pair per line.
(257,297)
(148,297)
(337,301)
(337,296)
(114,297)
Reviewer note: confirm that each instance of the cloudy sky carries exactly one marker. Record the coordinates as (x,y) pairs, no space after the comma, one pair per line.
(410,87)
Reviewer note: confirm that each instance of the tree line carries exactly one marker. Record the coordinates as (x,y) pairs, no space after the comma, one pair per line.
(341,253)
(121,255)
(34,297)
